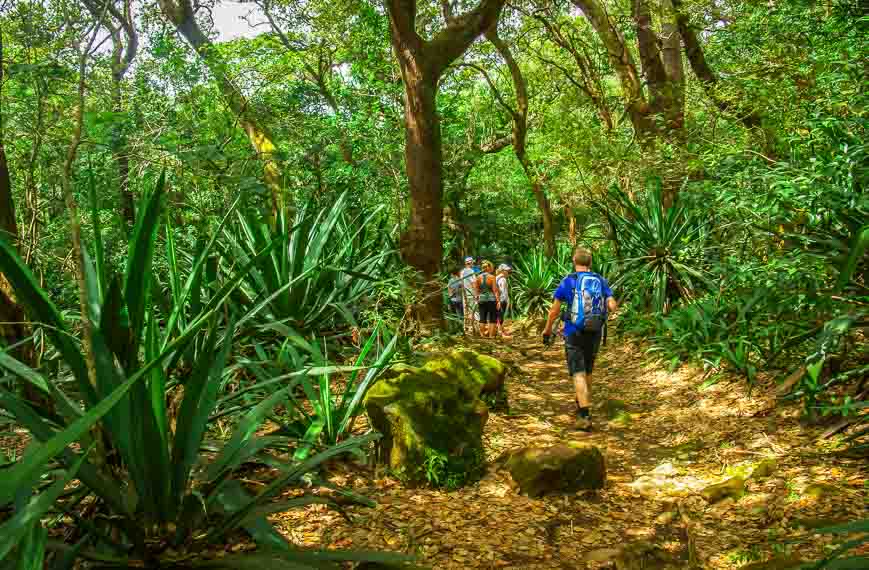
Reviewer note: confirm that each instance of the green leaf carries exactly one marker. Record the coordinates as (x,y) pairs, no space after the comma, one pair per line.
(22,521)
(137,282)
(23,371)
(40,309)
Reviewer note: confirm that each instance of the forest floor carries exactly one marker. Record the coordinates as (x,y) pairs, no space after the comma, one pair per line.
(676,440)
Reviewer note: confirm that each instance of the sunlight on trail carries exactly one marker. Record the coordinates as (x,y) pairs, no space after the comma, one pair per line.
(663,453)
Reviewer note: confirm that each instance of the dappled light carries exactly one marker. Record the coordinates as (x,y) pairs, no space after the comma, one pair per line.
(386,284)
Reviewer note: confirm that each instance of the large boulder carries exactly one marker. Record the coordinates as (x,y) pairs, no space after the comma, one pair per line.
(432,418)
(561,468)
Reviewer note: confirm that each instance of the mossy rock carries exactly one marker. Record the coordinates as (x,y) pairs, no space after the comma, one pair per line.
(764,469)
(732,488)
(432,419)
(397,370)
(486,372)
(561,468)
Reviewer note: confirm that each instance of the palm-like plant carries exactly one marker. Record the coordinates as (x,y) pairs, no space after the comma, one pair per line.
(323,264)
(661,249)
(537,276)
(155,500)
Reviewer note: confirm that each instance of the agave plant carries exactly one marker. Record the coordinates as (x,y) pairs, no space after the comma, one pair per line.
(324,264)
(317,413)
(155,499)
(661,249)
(537,277)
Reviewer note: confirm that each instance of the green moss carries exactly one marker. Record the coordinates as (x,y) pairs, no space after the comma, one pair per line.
(561,468)
(432,420)
(732,488)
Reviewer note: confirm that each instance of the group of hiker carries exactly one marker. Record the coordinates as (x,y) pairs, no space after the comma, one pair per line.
(583,301)
(481,294)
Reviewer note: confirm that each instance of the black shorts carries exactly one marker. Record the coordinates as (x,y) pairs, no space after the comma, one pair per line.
(456,307)
(488,311)
(581,348)
(502,312)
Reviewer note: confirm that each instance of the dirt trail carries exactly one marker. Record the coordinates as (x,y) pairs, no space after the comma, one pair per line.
(675,440)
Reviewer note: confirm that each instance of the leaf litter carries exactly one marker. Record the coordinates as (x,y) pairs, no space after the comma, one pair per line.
(677,441)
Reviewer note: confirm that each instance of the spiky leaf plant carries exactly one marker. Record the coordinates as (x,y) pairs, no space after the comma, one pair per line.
(153,497)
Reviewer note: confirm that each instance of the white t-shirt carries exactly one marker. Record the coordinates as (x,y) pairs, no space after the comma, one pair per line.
(501,282)
(467,276)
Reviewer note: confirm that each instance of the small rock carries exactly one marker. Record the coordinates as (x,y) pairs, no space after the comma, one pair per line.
(820,490)
(732,488)
(561,468)
(614,409)
(764,469)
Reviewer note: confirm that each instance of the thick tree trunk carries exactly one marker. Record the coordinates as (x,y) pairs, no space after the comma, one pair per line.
(422,246)
(422,62)
(13,319)
(671,56)
(12,327)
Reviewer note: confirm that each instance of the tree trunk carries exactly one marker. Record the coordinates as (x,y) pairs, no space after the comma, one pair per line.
(13,319)
(12,327)
(671,56)
(422,62)
(546,211)
(422,246)
(119,150)
(571,226)
(180,14)
(623,63)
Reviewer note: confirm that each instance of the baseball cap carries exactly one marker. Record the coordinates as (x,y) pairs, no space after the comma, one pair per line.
(469,260)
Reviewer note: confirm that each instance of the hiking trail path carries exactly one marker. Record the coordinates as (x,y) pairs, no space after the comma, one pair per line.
(672,439)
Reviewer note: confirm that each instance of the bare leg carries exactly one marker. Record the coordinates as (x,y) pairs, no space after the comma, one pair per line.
(583,393)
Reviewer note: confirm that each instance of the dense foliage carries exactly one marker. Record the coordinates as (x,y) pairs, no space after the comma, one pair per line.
(203,230)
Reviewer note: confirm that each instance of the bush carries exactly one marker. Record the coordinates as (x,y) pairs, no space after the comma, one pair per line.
(155,499)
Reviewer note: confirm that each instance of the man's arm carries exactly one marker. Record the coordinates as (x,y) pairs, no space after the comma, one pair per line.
(554,312)
(496,291)
(611,304)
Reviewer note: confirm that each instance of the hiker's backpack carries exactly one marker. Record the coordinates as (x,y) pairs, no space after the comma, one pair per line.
(588,307)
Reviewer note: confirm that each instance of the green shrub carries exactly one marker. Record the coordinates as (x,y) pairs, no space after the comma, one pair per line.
(323,265)
(155,498)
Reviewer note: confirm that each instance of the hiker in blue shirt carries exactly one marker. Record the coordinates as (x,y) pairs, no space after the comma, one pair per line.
(587,297)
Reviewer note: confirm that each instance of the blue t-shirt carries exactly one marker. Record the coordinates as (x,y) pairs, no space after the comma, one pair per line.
(564,293)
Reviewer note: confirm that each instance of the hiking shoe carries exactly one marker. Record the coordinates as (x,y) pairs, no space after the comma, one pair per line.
(583,424)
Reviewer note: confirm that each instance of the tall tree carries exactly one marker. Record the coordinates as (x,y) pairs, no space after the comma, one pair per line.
(11,312)
(423,62)
(182,15)
(519,118)
(120,22)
